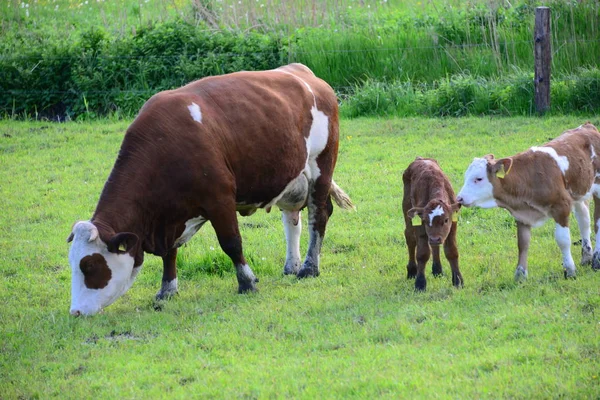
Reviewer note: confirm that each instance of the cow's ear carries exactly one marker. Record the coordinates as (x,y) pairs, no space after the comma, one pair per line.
(502,167)
(122,242)
(415,214)
(85,229)
(489,157)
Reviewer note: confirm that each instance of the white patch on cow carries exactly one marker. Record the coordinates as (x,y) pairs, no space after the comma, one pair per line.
(477,190)
(246,271)
(593,153)
(298,184)
(195,112)
(292,225)
(438,211)
(90,301)
(562,161)
(191,227)
(562,234)
(316,141)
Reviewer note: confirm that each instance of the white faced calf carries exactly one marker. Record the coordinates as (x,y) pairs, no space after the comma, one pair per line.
(429,206)
(541,183)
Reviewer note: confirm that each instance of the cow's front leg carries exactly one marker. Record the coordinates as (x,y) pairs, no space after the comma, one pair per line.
(451,253)
(169,278)
(292,224)
(523,239)
(319,210)
(582,214)
(423,254)
(224,221)
(563,239)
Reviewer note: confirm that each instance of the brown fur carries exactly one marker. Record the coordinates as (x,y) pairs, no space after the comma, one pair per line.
(425,188)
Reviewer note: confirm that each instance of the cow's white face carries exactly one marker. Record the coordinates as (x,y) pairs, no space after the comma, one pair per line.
(99,276)
(477,190)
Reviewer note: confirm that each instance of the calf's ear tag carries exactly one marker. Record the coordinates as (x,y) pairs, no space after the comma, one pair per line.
(501,172)
(455,216)
(416,220)
(122,247)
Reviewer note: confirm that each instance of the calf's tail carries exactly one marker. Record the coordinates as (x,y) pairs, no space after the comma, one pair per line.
(340,197)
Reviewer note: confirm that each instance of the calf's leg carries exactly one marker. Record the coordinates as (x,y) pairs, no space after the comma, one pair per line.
(523,239)
(451,252)
(436,267)
(411,244)
(582,214)
(169,278)
(563,239)
(423,253)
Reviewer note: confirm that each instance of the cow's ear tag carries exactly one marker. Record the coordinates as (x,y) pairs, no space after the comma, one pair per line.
(122,247)
(416,220)
(501,172)
(455,216)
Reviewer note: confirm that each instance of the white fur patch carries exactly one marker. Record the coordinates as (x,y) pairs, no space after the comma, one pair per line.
(438,211)
(316,141)
(477,190)
(191,227)
(562,161)
(593,152)
(195,112)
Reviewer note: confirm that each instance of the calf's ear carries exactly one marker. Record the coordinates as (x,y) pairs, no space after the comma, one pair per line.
(415,214)
(123,242)
(455,209)
(502,167)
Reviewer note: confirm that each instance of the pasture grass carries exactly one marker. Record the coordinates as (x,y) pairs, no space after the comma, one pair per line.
(359,330)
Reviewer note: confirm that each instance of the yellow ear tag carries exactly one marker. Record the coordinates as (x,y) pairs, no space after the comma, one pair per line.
(416,220)
(455,216)
(122,247)
(501,173)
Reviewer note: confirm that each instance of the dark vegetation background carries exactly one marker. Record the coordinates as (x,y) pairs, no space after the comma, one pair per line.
(435,59)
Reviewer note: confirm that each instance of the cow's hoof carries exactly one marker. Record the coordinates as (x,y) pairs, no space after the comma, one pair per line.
(596,261)
(291,268)
(569,274)
(167,290)
(307,272)
(586,257)
(520,274)
(246,287)
(457,281)
(436,270)
(420,283)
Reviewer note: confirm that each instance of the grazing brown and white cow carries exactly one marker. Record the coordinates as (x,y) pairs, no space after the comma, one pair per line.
(429,208)
(541,183)
(200,153)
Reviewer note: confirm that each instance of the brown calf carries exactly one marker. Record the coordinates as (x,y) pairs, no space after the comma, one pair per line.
(429,205)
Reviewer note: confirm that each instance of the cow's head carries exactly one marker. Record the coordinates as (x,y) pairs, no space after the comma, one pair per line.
(437,217)
(100,271)
(478,189)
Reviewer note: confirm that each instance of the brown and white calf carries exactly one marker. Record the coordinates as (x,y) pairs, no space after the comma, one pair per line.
(429,206)
(200,153)
(541,183)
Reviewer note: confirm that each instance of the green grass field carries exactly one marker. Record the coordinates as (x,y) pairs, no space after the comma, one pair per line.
(357,331)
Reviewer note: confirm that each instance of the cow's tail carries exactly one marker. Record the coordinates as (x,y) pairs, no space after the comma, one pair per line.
(340,197)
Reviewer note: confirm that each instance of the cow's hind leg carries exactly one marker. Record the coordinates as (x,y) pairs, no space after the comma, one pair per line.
(292,224)
(523,239)
(319,210)
(596,258)
(169,278)
(582,214)
(224,221)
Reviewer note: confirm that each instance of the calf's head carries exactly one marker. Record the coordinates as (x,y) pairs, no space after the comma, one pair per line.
(478,189)
(100,271)
(437,217)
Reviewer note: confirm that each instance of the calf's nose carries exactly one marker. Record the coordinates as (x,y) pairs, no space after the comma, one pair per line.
(435,240)
(75,313)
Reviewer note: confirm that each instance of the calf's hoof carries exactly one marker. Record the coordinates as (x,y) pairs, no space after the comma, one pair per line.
(307,272)
(596,261)
(436,270)
(569,273)
(457,281)
(520,274)
(420,283)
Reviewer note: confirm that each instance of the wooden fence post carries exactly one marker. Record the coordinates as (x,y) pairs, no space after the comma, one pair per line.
(543,59)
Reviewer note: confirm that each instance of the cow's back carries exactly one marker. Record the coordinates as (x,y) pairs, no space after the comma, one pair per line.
(423,180)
